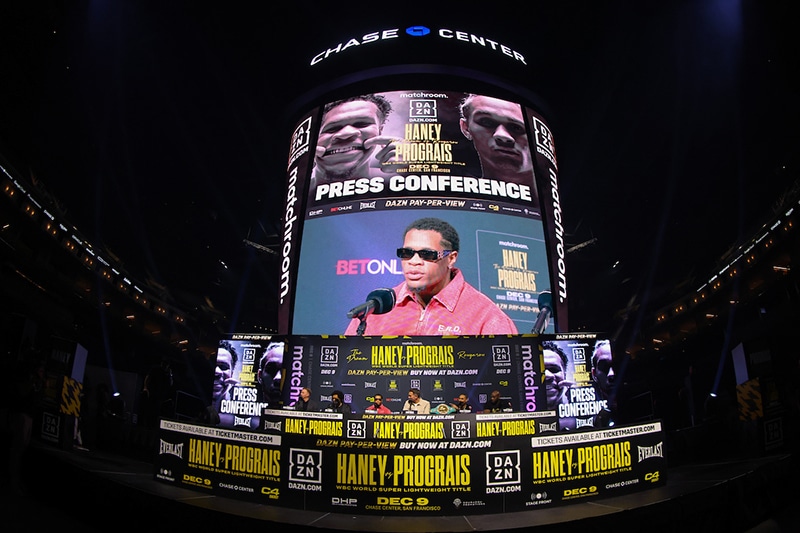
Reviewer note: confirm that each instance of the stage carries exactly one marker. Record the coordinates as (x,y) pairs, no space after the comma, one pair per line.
(86,486)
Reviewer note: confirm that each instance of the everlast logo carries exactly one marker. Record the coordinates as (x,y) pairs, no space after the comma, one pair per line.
(274,426)
(170,448)
(548,427)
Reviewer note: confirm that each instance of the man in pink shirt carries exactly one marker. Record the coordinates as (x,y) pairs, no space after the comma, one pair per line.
(435,299)
(377,406)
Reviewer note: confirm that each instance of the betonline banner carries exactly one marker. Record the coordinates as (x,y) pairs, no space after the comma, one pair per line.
(360,171)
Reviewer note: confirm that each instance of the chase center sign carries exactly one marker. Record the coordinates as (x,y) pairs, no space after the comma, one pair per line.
(418,32)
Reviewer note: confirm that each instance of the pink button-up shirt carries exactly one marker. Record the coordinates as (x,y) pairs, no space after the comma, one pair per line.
(458,309)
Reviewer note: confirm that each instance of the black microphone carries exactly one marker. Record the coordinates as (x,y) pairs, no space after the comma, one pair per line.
(378,302)
(545,302)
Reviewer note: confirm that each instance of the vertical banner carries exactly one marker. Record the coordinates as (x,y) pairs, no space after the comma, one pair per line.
(576,370)
(546,168)
(301,152)
(248,376)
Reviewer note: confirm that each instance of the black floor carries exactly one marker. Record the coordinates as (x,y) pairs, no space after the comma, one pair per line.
(90,490)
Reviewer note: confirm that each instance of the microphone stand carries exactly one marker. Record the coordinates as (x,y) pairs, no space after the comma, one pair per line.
(362,325)
(541,321)
(378,301)
(545,311)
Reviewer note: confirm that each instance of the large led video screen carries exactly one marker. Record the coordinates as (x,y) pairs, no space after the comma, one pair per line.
(433,196)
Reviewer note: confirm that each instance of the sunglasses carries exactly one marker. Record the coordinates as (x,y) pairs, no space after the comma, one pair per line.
(425,255)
